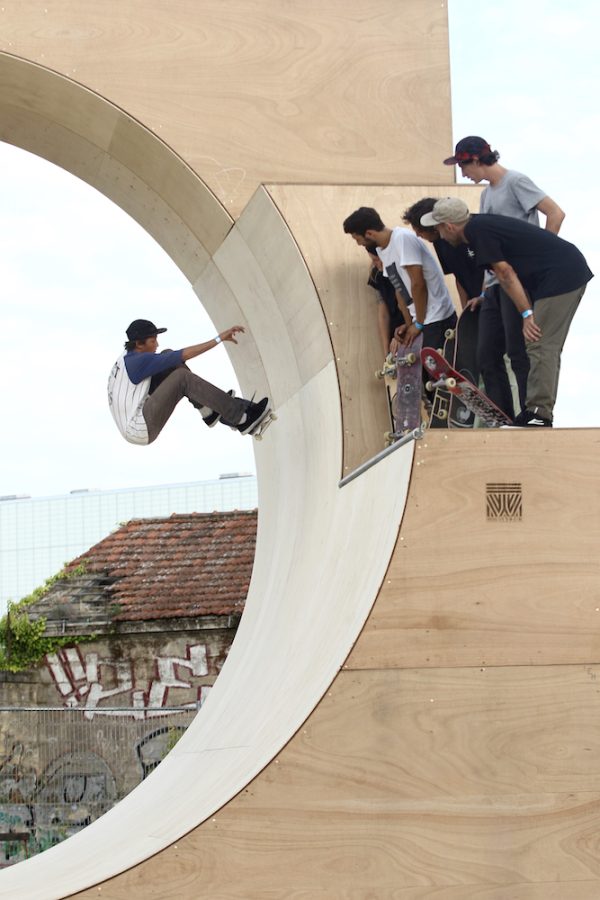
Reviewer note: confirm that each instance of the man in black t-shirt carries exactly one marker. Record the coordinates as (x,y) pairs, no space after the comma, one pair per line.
(544,276)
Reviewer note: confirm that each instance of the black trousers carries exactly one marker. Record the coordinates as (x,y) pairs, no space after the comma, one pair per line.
(500,332)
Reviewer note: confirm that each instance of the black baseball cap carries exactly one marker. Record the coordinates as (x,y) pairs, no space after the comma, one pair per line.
(467,148)
(140,329)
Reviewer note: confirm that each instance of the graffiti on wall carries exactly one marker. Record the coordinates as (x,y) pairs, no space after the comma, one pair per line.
(89,681)
(38,811)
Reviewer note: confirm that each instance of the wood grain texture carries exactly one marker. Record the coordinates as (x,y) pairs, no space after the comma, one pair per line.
(464,590)
(334,89)
(431,784)
(339,268)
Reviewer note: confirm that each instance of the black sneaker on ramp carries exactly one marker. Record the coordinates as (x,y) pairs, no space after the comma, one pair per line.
(254,416)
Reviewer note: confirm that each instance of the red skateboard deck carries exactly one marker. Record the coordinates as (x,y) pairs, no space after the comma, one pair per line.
(449,379)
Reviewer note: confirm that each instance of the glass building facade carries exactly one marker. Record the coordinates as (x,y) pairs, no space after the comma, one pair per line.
(38,535)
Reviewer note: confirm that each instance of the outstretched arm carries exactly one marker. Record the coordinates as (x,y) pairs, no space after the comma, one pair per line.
(197,349)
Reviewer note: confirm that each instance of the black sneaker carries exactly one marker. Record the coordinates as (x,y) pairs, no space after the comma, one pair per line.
(215,417)
(530,419)
(256,412)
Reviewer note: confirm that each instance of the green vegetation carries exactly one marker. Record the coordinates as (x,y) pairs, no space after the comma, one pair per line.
(22,641)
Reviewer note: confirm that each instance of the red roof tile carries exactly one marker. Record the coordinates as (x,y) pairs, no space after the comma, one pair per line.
(194,564)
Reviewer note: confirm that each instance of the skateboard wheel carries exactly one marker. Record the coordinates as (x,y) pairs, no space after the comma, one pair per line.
(451,382)
(442,414)
(429,385)
(449,333)
(411,359)
(378,374)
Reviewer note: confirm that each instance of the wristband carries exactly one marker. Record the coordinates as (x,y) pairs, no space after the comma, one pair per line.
(482,295)
(526,313)
(418,325)
(218,339)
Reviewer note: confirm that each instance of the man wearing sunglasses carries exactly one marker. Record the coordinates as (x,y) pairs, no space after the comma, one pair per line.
(509,193)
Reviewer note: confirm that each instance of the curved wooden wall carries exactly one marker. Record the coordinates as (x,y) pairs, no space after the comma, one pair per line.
(425,725)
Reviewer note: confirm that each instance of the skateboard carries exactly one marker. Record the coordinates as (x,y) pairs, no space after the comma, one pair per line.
(442,398)
(449,379)
(402,373)
(465,363)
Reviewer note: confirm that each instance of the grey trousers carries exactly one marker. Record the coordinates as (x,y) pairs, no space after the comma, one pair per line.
(553,315)
(202,394)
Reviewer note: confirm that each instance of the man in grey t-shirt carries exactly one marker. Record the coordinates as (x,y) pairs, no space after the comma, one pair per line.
(509,193)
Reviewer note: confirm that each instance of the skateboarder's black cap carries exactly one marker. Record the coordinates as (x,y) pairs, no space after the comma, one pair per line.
(140,329)
(467,148)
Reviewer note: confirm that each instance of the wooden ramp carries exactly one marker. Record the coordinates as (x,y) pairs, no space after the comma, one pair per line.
(410,708)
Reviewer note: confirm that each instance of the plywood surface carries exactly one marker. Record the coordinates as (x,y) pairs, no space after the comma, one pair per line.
(464,589)
(333,89)
(438,783)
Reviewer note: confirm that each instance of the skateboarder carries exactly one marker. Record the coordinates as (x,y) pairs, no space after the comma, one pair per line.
(144,387)
(509,193)
(544,276)
(419,283)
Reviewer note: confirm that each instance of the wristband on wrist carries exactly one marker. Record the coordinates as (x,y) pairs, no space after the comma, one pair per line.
(218,339)
(526,313)
(418,325)
(482,295)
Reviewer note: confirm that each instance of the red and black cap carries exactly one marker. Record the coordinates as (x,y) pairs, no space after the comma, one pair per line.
(468,148)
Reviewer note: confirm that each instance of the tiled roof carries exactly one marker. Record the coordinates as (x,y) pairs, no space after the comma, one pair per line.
(196,564)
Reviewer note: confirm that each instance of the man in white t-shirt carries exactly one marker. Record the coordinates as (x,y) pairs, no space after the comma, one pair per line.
(416,276)
(509,193)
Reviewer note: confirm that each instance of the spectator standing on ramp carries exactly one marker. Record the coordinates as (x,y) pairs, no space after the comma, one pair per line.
(544,276)
(144,387)
(421,291)
(509,193)
(458,261)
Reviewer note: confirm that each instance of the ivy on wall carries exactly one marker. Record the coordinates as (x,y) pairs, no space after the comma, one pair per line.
(23,643)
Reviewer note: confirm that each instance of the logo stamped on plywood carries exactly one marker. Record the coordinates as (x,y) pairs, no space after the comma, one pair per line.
(504,502)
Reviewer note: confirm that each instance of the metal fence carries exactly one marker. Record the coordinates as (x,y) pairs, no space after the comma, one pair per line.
(61,768)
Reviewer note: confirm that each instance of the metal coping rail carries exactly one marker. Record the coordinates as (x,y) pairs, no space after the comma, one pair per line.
(413,435)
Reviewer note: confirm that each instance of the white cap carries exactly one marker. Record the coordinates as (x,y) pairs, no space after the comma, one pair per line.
(450,209)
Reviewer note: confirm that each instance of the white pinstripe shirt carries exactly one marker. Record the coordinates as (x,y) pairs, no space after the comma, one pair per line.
(126,400)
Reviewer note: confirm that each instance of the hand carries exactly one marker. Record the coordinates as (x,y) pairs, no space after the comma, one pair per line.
(411,333)
(229,334)
(531,331)
(473,303)
(398,338)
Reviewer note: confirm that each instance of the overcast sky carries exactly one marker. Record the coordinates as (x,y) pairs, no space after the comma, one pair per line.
(76,269)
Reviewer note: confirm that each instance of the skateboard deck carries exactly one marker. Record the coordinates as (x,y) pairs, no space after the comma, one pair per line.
(446,377)
(465,363)
(406,406)
(401,372)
